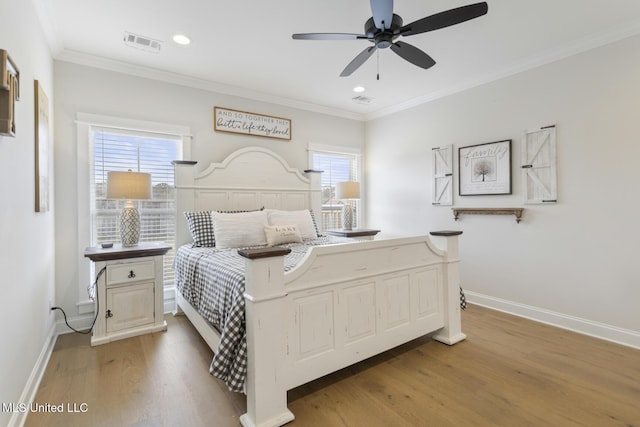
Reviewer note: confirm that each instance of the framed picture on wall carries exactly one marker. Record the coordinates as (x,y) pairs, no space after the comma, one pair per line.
(41,148)
(485,169)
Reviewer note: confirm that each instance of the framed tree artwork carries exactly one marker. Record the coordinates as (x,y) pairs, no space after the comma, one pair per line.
(485,169)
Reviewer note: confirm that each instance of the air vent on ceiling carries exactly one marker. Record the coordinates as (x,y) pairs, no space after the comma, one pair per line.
(142,42)
(360,99)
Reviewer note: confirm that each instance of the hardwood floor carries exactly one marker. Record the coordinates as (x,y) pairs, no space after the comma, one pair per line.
(509,372)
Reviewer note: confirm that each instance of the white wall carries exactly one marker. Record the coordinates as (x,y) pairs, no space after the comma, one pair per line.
(572,263)
(26,237)
(91,90)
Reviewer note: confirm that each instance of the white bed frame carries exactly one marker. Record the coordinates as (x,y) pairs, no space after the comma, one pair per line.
(342,304)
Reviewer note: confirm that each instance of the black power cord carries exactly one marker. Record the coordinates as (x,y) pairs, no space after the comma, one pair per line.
(91,289)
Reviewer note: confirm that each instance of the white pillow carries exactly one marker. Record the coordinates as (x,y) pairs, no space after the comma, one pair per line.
(281,234)
(239,230)
(302,219)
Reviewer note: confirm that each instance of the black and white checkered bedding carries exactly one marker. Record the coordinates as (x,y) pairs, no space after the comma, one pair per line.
(212,281)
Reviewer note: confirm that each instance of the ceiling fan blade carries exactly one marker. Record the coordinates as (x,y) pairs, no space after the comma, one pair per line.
(382,13)
(328,36)
(445,19)
(358,61)
(413,55)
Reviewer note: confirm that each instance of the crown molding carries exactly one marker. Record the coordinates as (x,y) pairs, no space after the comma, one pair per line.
(43,10)
(561,52)
(81,58)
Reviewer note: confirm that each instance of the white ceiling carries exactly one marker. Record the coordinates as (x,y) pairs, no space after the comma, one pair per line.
(245,47)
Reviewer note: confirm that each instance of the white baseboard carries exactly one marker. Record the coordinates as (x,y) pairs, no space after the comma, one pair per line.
(169,299)
(31,387)
(80,323)
(86,306)
(603,331)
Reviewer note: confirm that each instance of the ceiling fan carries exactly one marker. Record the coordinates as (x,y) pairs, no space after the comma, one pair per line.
(384,27)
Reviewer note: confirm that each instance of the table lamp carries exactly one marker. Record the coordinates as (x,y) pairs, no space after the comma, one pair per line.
(129,186)
(348,190)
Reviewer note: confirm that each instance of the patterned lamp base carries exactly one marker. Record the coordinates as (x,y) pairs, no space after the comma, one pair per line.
(347,216)
(129,227)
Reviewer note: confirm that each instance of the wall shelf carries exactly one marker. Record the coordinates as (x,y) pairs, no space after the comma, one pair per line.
(489,211)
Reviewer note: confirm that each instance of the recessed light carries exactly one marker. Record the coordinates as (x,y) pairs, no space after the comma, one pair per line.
(358,89)
(181,39)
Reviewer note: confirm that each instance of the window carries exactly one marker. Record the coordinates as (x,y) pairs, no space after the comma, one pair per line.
(338,165)
(99,139)
(122,150)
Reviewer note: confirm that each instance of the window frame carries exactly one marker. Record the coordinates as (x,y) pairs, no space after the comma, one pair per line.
(359,159)
(85,122)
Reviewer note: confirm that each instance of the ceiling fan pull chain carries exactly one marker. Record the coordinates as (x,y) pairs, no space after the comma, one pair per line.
(378,64)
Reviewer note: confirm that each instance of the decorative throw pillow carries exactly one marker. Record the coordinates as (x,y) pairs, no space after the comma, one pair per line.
(239,230)
(302,219)
(281,234)
(201,228)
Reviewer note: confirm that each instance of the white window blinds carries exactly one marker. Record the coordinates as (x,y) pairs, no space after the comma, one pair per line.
(336,167)
(121,150)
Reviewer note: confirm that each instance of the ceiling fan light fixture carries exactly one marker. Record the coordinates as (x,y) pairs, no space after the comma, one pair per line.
(359,89)
(181,39)
(384,27)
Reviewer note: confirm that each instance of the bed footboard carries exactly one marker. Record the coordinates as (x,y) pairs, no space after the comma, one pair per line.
(342,304)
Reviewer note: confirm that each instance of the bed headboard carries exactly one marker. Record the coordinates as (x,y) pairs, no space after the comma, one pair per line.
(250,178)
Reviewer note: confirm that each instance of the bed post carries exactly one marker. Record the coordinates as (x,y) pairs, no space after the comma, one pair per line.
(452,331)
(265,327)
(184,175)
(315,194)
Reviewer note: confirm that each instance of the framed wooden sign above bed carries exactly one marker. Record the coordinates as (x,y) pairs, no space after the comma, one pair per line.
(242,122)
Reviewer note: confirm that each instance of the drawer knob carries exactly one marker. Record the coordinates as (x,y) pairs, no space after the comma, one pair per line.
(131,275)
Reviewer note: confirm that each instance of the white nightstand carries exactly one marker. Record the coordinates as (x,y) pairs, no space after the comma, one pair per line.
(130,291)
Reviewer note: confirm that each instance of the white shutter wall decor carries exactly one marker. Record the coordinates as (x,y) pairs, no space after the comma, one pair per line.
(539,165)
(442,183)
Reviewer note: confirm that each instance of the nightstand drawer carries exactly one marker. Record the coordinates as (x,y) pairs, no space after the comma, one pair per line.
(130,272)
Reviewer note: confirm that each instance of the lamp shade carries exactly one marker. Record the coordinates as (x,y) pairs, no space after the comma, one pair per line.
(128,185)
(347,190)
